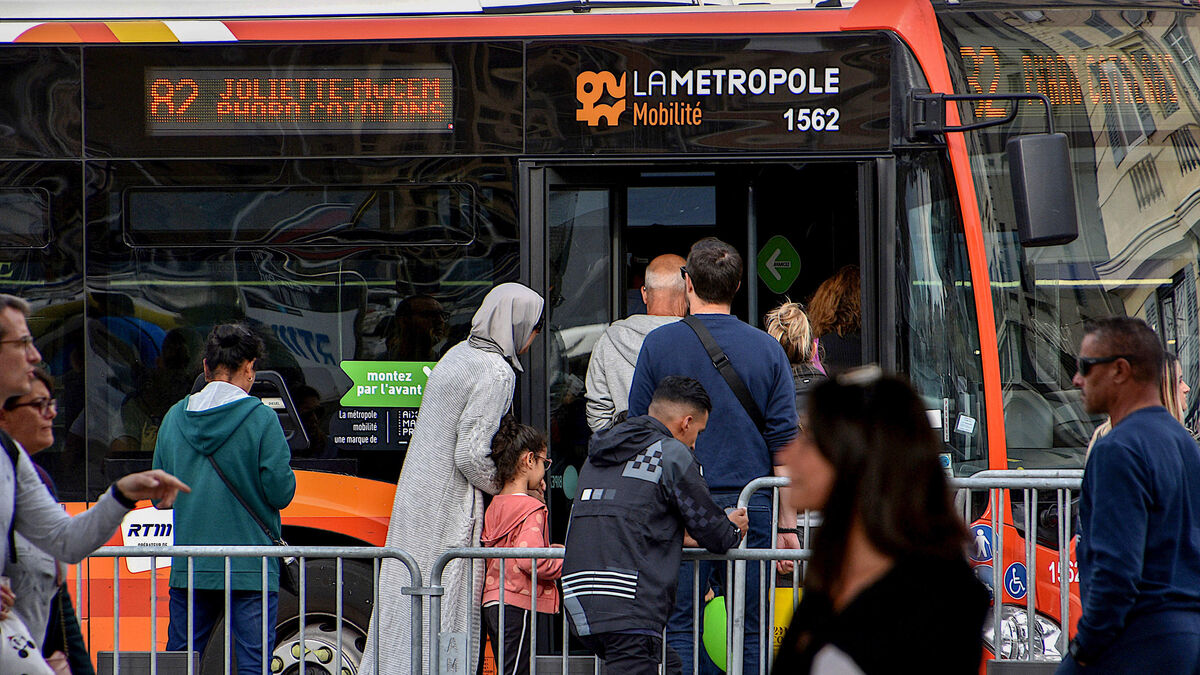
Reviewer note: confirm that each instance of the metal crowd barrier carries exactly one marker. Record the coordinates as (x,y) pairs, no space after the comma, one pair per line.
(442,660)
(996,483)
(736,633)
(1030,481)
(303,554)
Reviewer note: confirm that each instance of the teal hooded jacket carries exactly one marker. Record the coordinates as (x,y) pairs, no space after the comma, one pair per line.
(245,439)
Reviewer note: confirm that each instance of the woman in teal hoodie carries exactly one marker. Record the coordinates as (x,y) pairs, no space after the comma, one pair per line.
(224,423)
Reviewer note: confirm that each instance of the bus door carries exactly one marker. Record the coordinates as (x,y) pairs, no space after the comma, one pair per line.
(593,228)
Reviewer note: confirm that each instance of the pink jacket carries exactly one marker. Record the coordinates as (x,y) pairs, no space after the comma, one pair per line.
(519,521)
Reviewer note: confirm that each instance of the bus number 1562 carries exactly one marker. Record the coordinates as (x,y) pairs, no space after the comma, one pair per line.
(812,119)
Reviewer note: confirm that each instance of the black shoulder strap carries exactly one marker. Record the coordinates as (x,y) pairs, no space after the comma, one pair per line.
(274,540)
(10,449)
(723,366)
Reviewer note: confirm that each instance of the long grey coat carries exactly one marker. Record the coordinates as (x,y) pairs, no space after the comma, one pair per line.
(439,503)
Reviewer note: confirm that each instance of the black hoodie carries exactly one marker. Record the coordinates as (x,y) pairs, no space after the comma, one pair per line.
(637,492)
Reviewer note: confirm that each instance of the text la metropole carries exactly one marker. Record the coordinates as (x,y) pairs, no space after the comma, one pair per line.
(721,82)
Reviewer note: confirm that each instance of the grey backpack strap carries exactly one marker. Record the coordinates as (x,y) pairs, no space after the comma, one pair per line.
(723,366)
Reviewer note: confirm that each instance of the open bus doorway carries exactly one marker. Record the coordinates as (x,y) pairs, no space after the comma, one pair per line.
(801,218)
(597,227)
(794,223)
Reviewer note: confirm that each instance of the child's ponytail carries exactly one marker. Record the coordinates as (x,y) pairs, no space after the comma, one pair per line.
(511,441)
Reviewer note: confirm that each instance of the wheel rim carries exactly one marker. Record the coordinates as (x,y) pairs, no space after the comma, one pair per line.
(320,648)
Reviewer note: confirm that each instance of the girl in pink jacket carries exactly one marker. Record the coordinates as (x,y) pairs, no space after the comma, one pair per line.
(517,519)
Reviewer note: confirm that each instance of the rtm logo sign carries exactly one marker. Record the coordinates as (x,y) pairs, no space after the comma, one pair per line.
(149,530)
(591,87)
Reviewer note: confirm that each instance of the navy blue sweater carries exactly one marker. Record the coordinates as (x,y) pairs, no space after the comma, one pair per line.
(1139,531)
(731,449)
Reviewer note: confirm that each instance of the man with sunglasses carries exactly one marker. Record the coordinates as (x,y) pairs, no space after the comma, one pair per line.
(1139,514)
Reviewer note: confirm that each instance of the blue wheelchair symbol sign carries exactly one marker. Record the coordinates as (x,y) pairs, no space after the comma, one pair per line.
(1015,580)
(981,543)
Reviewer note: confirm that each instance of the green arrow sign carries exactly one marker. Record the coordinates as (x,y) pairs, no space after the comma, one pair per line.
(778,264)
(386,384)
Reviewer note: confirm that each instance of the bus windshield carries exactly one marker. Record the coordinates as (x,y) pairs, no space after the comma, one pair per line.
(1123,86)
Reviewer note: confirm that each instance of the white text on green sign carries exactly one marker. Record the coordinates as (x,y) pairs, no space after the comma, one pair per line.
(386,384)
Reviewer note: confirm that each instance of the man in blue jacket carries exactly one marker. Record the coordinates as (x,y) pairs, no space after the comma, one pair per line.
(734,449)
(1139,515)
(639,489)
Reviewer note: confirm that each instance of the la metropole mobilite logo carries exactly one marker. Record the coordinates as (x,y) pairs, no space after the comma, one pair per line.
(590,87)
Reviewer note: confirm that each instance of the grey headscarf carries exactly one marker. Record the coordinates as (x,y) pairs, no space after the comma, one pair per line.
(505,321)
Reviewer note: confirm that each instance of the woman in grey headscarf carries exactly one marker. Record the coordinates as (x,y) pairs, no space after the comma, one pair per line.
(439,497)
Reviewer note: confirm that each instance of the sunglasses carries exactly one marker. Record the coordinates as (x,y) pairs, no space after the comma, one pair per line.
(1085,363)
(683,272)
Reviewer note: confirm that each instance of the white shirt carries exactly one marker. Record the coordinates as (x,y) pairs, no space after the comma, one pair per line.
(214,394)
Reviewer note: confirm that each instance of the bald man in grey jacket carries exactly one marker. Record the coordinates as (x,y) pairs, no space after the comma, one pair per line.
(610,370)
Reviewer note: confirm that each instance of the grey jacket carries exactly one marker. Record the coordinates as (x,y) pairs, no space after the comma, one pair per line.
(439,504)
(610,370)
(42,523)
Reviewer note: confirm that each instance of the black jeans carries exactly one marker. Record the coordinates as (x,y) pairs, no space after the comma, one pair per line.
(625,654)
(517,624)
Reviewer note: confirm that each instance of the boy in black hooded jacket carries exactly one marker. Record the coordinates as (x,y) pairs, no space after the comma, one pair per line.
(640,488)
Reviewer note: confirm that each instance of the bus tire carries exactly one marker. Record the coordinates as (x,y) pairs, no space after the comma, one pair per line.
(320,636)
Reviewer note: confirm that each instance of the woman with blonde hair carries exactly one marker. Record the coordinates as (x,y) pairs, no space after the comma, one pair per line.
(1173,391)
(789,324)
(836,316)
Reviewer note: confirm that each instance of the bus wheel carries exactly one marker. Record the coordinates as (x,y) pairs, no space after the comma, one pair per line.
(320,623)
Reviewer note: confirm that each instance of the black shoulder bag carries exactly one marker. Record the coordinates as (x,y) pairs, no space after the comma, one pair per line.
(289,570)
(723,366)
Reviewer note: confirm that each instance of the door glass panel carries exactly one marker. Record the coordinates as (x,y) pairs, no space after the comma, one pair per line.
(938,339)
(579,297)
(694,205)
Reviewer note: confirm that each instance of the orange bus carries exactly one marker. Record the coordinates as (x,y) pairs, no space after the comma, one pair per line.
(351,181)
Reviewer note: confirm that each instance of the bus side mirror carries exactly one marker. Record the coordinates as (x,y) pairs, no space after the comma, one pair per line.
(1042,188)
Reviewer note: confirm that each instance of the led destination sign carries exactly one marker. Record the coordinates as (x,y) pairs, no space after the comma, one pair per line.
(257,101)
(1137,78)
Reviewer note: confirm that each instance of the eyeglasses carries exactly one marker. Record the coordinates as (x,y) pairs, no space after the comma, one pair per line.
(546,461)
(683,272)
(1084,363)
(45,406)
(25,341)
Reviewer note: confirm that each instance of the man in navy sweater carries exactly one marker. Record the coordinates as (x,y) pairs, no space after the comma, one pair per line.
(733,450)
(1139,515)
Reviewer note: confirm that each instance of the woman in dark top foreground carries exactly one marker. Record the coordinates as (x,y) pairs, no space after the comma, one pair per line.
(888,586)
